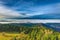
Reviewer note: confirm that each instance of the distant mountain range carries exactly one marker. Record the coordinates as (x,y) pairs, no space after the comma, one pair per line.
(55,26)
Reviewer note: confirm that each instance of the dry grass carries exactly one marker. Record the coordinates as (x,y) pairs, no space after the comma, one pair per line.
(7,36)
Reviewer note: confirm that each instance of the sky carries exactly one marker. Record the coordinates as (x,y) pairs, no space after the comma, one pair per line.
(35,9)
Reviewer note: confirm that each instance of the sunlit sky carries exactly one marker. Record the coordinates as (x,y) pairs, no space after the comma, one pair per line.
(32,9)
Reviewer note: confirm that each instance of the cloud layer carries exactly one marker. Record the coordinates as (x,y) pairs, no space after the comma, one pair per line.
(5,12)
(12,12)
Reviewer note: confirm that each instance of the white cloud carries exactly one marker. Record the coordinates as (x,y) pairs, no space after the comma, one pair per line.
(8,13)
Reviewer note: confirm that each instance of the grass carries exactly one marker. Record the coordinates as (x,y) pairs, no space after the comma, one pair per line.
(37,33)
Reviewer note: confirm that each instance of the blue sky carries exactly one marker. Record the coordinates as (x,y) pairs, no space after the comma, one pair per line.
(29,9)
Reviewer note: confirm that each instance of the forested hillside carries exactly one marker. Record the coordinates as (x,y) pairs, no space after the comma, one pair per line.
(27,32)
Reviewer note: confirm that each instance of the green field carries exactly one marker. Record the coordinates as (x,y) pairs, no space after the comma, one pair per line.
(36,32)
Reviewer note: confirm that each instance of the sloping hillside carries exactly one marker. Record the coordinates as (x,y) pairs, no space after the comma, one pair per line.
(27,32)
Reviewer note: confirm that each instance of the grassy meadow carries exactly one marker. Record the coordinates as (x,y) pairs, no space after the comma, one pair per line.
(36,32)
